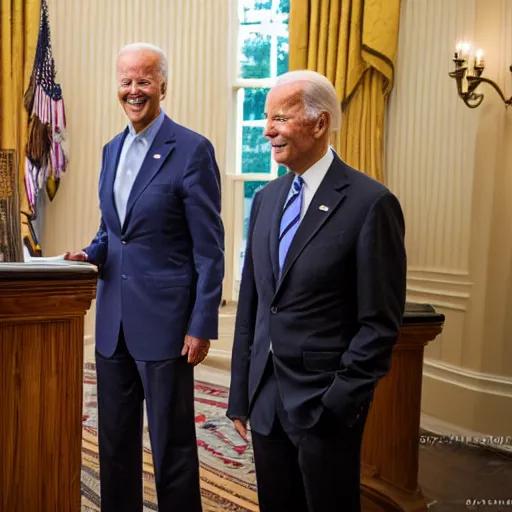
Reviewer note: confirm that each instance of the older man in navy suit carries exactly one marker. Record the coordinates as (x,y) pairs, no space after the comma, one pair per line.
(320,306)
(160,250)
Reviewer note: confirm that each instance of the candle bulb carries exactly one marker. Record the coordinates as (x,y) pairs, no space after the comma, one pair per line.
(470,62)
(479,58)
(462,51)
(466,51)
(458,50)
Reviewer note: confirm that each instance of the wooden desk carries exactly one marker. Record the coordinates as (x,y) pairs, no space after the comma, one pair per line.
(42,310)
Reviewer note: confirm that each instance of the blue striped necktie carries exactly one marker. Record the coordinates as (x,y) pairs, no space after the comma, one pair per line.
(290,219)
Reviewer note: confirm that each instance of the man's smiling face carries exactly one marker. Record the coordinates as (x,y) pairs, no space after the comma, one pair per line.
(141,86)
(291,133)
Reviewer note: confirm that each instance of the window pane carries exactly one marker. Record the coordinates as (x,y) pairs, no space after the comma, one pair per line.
(254,104)
(255,150)
(255,11)
(283,11)
(250,189)
(255,56)
(282,55)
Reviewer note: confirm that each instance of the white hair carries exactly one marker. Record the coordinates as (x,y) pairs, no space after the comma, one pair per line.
(319,95)
(135,47)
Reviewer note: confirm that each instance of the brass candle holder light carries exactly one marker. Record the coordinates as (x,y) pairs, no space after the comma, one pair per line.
(468,75)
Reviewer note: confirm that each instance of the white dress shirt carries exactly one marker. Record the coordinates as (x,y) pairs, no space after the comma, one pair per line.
(135,148)
(312,179)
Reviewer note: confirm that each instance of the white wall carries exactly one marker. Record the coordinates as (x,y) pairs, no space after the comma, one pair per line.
(451,167)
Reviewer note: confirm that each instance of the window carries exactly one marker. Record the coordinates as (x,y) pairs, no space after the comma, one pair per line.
(261,57)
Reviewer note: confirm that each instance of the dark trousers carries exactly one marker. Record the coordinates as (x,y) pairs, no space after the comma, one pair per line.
(168,388)
(315,470)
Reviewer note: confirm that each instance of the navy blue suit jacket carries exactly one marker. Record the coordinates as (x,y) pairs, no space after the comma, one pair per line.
(335,315)
(161,272)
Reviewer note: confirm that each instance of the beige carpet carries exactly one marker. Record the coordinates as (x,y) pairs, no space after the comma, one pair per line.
(227,471)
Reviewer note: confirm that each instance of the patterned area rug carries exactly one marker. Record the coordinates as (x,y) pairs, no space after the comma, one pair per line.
(228,481)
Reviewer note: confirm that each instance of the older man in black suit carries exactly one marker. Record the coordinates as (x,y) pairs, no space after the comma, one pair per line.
(320,306)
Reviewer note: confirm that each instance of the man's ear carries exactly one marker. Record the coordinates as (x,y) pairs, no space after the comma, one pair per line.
(322,125)
(163,90)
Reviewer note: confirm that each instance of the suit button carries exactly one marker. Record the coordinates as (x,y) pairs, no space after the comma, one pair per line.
(273,310)
(124,276)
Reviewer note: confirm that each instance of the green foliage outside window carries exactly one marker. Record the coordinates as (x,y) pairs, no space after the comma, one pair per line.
(255,151)
(256,56)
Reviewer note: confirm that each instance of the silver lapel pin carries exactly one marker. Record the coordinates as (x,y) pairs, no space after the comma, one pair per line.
(157,156)
(323,208)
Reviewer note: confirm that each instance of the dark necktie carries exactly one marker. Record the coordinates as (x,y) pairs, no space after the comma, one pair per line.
(290,219)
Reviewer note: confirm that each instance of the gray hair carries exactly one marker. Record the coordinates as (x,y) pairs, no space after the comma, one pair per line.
(134,47)
(319,95)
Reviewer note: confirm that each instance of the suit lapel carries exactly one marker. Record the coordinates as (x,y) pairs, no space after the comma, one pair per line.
(157,154)
(276,223)
(109,205)
(325,202)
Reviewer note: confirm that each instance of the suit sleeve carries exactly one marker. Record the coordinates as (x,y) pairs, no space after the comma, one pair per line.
(238,405)
(202,201)
(381,283)
(97,250)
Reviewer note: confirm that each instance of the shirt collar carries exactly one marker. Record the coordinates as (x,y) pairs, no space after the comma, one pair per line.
(149,133)
(317,171)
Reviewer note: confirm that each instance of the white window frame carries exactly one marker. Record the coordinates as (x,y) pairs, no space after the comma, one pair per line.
(234,189)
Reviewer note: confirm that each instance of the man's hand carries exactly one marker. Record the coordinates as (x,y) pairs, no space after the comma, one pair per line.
(196,348)
(241,428)
(76,256)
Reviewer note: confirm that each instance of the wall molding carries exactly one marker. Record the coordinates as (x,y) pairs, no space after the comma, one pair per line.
(445,289)
(442,293)
(456,301)
(481,382)
(433,300)
(437,274)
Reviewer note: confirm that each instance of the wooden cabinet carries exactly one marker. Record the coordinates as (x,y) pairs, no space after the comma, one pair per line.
(42,310)
(390,450)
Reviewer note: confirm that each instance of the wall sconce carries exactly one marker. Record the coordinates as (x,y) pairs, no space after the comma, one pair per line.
(468,75)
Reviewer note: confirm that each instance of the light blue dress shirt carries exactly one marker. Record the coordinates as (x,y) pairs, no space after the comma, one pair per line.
(135,148)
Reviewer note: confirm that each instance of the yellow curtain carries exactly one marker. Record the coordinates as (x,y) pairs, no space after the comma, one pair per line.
(19,29)
(353,43)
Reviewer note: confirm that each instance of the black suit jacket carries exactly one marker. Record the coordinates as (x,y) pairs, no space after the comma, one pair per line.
(335,315)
